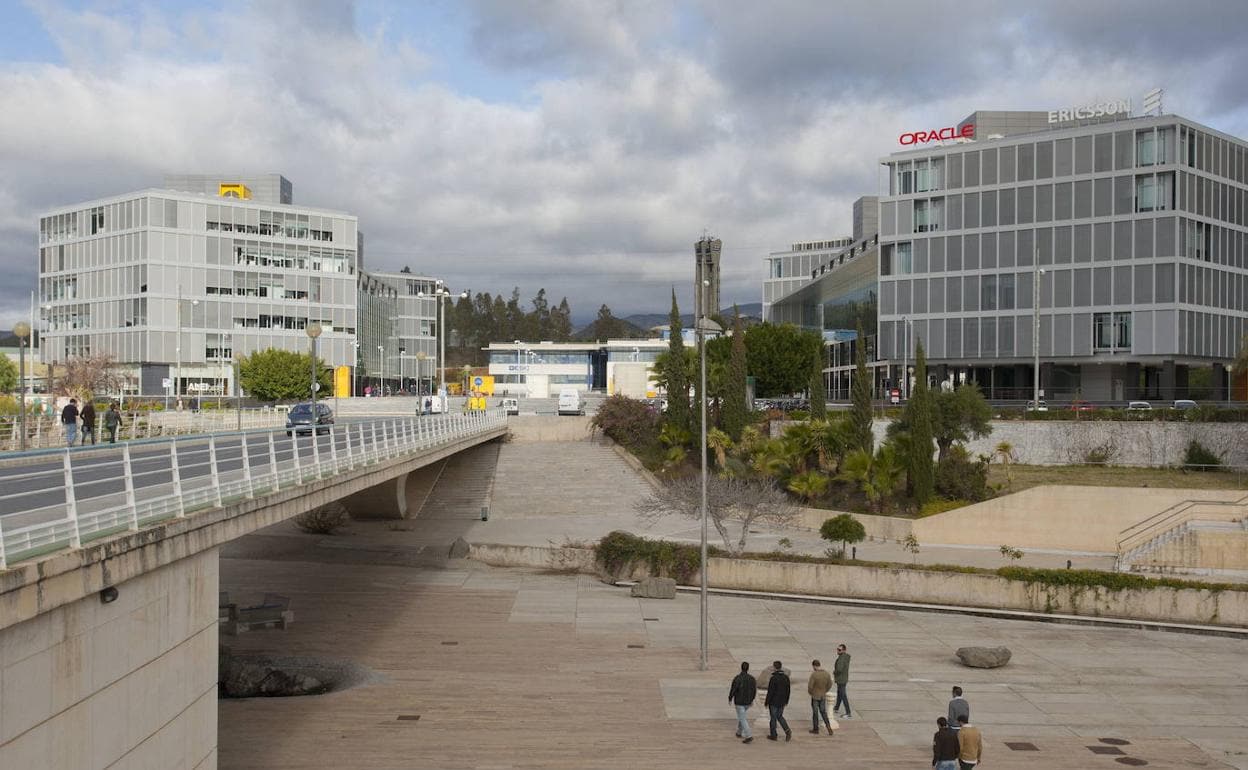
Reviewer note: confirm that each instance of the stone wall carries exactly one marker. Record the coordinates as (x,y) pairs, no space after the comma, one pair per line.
(131,683)
(1143,443)
(954,589)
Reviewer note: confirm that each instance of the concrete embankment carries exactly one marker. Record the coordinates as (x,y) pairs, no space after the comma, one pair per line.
(894,584)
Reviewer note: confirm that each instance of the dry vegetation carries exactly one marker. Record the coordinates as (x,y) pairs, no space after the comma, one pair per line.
(1027,476)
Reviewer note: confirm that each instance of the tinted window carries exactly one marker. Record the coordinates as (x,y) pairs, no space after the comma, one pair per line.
(301,410)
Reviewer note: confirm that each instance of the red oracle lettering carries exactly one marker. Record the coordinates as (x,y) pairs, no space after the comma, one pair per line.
(938,134)
(968,131)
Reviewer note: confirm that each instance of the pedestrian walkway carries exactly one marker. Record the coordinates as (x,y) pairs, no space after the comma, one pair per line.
(495,668)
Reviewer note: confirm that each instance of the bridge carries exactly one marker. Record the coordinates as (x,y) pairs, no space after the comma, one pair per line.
(109,573)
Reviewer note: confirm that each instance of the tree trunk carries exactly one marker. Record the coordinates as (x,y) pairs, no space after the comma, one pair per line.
(942,446)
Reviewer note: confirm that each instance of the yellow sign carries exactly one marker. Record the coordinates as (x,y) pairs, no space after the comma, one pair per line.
(482,383)
(342,382)
(234,190)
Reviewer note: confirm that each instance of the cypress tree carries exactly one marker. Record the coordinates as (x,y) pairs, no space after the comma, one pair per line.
(677,378)
(818,393)
(920,469)
(735,412)
(861,414)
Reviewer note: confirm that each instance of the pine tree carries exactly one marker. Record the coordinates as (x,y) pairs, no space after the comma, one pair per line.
(861,414)
(818,393)
(678,383)
(920,469)
(561,322)
(735,412)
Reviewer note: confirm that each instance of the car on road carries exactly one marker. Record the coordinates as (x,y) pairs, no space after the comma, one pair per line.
(1032,407)
(306,417)
(1139,406)
(1079,405)
(570,402)
(510,406)
(1184,403)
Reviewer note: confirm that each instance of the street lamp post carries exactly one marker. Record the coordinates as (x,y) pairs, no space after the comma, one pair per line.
(238,397)
(905,357)
(1035,329)
(22,330)
(313,331)
(381,353)
(704,325)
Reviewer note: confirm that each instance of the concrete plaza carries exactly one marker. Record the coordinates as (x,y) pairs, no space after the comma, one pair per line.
(520,669)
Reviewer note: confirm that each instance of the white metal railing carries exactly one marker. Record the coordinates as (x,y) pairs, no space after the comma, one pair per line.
(46,431)
(56,499)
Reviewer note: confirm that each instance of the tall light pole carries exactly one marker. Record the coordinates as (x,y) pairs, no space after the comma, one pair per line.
(905,357)
(1035,329)
(381,353)
(22,330)
(704,325)
(313,331)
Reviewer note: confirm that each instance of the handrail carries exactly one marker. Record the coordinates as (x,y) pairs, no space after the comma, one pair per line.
(58,499)
(1161,526)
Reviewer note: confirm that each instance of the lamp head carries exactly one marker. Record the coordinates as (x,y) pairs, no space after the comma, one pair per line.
(21,329)
(313,330)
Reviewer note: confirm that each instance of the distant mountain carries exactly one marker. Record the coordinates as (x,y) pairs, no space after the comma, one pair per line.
(751,311)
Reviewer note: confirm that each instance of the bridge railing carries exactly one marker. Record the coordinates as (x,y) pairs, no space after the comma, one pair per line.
(56,499)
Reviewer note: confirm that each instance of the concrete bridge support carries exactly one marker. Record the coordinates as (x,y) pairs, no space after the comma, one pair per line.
(128,683)
(398,498)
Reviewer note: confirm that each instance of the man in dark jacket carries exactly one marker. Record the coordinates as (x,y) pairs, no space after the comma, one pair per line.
(69,419)
(88,421)
(840,675)
(777,699)
(945,747)
(741,695)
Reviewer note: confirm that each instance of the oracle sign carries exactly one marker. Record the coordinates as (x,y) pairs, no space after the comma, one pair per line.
(936,135)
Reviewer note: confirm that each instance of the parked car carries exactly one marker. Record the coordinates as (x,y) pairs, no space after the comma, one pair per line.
(510,406)
(1079,405)
(301,419)
(1184,403)
(1032,407)
(570,402)
(1139,406)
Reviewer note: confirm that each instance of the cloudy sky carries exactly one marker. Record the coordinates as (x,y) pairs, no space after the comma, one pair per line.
(579,145)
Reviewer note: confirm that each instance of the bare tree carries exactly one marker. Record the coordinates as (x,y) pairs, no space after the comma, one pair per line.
(89,376)
(730,502)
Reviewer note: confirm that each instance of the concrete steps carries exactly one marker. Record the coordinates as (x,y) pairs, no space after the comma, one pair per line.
(463,487)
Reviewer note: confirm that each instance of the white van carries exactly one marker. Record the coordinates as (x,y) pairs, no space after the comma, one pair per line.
(570,401)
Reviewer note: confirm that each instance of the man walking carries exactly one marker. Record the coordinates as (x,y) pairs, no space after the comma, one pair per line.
(958,707)
(840,675)
(741,695)
(970,744)
(777,698)
(69,419)
(112,421)
(817,686)
(945,748)
(88,421)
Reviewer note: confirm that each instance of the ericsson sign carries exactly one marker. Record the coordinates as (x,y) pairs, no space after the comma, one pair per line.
(1101,110)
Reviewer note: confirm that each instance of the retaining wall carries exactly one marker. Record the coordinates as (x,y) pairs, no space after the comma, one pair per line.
(1225,608)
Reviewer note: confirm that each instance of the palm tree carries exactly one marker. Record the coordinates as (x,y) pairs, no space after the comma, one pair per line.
(799,442)
(720,442)
(831,439)
(809,485)
(772,459)
(1004,454)
(876,475)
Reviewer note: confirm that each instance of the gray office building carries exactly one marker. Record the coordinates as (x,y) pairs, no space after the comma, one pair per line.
(172,283)
(1131,232)
(415,357)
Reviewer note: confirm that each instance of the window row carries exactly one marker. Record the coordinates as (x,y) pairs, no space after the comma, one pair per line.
(1081,287)
(1055,158)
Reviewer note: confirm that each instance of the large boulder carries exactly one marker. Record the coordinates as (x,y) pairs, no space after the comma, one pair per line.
(984,657)
(459,549)
(655,588)
(242,679)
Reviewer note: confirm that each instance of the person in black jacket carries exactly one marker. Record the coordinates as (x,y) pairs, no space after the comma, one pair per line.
(945,748)
(741,695)
(777,699)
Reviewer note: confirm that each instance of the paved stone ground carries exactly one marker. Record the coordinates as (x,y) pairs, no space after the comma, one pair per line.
(517,669)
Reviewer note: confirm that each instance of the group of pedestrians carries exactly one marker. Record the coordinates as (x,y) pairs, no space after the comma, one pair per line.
(957,744)
(777,682)
(71,415)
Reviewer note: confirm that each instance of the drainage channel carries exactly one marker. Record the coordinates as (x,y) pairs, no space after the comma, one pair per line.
(982,612)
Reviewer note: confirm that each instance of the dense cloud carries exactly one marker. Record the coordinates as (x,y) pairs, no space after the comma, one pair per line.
(636,126)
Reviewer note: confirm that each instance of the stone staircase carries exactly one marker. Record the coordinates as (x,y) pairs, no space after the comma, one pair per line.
(1202,537)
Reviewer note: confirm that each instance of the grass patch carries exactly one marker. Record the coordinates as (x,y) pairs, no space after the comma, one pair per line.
(1027,476)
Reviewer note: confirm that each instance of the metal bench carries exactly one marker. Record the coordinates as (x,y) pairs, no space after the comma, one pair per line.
(273,612)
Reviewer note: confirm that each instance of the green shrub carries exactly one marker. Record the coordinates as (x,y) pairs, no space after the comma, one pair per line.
(843,529)
(631,423)
(619,550)
(1199,458)
(1114,581)
(958,477)
(799,415)
(940,505)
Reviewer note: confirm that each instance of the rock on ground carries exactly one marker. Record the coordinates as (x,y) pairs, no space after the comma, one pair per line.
(459,549)
(984,657)
(655,588)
